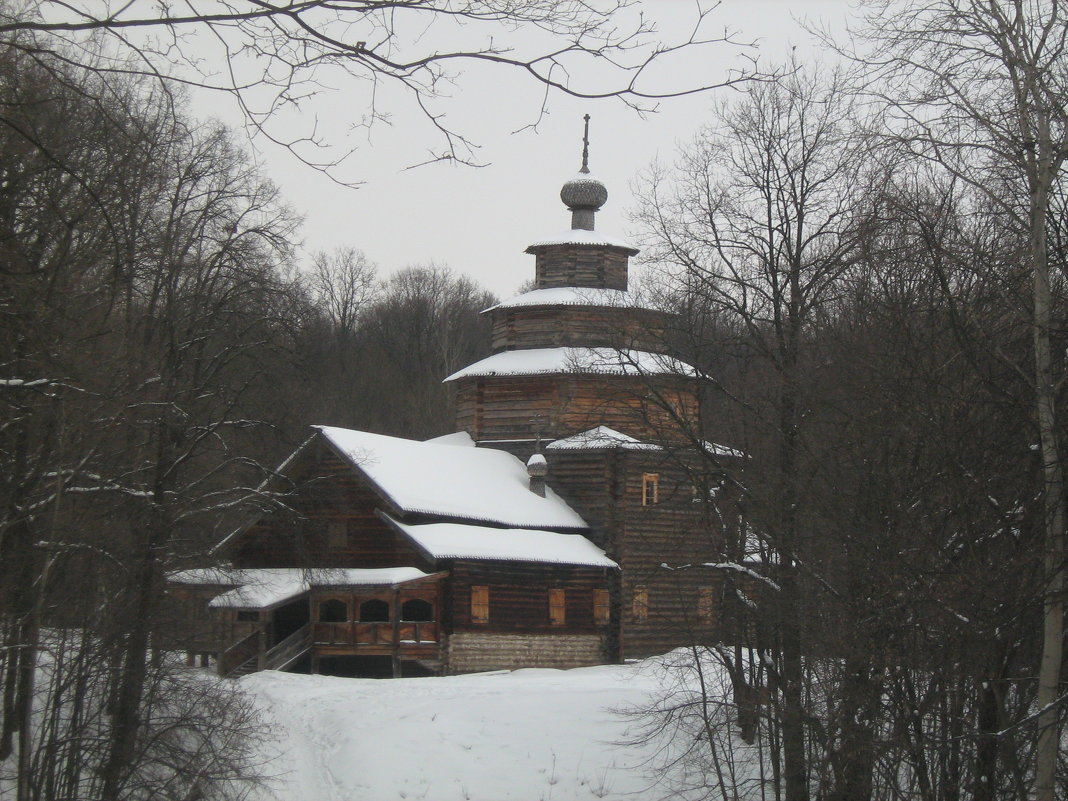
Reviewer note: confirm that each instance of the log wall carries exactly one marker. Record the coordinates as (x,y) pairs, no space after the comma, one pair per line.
(334,525)
(519,596)
(578,326)
(580,265)
(503,407)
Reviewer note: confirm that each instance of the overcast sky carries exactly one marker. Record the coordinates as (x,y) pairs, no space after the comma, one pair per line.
(478,221)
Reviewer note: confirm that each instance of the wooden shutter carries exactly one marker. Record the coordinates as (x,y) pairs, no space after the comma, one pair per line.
(479,604)
(601,609)
(557,607)
(706,605)
(640,605)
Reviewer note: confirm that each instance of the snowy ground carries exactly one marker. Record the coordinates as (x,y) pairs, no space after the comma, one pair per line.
(530,735)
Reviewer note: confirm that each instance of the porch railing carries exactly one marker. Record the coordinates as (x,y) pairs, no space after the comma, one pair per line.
(355,634)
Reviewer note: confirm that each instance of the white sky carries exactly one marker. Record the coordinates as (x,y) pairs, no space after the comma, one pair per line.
(478,221)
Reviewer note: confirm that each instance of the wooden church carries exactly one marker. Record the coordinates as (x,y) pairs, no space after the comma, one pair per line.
(565,524)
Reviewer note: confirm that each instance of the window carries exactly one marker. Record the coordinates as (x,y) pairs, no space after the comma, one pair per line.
(601,608)
(479,604)
(640,605)
(338,533)
(557,607)
(706,605)
(248,616)
(333,611)
(416,610)
(374,611)
(650,489)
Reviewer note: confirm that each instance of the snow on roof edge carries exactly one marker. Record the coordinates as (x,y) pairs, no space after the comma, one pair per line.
(582,236)
(569,546)
(574,296)
(575,361)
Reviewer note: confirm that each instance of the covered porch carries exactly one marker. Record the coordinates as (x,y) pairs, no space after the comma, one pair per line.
(293,619)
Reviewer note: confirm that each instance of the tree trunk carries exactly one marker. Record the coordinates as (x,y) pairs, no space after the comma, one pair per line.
(1053,487)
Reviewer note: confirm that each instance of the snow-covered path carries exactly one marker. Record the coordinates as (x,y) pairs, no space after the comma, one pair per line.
(529,735)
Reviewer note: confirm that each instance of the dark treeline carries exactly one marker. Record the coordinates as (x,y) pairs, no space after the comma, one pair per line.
(160,354)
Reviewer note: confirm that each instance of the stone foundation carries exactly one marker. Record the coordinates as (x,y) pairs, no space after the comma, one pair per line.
(473,651)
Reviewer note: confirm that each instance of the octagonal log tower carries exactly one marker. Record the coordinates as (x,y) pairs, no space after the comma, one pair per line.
(579,350)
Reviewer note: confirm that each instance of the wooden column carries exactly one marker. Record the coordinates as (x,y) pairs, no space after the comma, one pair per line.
(395,606)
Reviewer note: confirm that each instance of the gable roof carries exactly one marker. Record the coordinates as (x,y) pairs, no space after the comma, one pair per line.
(462,541)
(452,480)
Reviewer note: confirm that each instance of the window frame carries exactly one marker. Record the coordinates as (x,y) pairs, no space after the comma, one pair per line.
(650,489)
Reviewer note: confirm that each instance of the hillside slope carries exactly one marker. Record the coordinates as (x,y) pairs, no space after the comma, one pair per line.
(527,735)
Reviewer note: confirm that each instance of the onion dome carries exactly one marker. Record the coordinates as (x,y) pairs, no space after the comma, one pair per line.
(584,192)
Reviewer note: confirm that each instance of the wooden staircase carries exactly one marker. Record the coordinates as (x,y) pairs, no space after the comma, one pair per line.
(245,657)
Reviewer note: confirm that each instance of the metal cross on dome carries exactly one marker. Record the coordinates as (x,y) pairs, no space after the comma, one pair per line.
(586,145)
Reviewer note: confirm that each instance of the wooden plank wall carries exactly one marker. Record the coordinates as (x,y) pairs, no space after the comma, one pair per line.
(330,493)
(580,265)
(578,326)
(606,487)
(503,407)
(519,596)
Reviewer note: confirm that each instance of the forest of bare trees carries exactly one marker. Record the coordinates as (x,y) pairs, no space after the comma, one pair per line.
(869,261)
(160,355)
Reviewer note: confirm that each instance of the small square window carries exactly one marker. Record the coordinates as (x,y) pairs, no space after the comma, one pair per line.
(650,489)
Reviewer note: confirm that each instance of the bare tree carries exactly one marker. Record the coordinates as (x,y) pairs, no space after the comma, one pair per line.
(343,283)
(275,57)
(761,223)
(140,294)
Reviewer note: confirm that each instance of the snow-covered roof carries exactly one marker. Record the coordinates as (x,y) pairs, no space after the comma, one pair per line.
(574,296)
(479,484)
(600,438)
(460,541)
(265,587)
(608,361)
(461,438)
(580,236)
(722,450)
